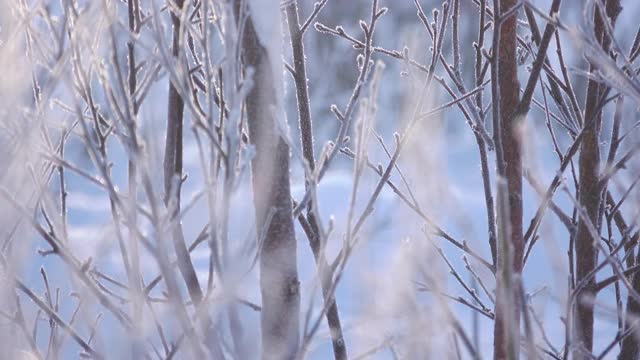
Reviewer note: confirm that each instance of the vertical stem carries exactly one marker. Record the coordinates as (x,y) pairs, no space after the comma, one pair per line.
(505,95)
(590,191)
(630,347)
(482,148)
(511,147)
(173,170)
(136,286)
(279,284)
(306,131)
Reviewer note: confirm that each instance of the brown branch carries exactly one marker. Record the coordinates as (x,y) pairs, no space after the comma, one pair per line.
(590,191)
(306,131)
(505,97)
(541,58)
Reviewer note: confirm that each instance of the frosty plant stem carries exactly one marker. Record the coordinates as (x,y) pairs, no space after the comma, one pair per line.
(173,168)
(306,131)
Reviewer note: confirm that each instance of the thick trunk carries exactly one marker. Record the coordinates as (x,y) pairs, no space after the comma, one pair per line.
(510,244)
(271,191)
(511,147)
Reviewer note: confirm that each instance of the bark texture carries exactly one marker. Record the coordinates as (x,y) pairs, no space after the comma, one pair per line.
(511,142)
(506,330)
(272,195)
